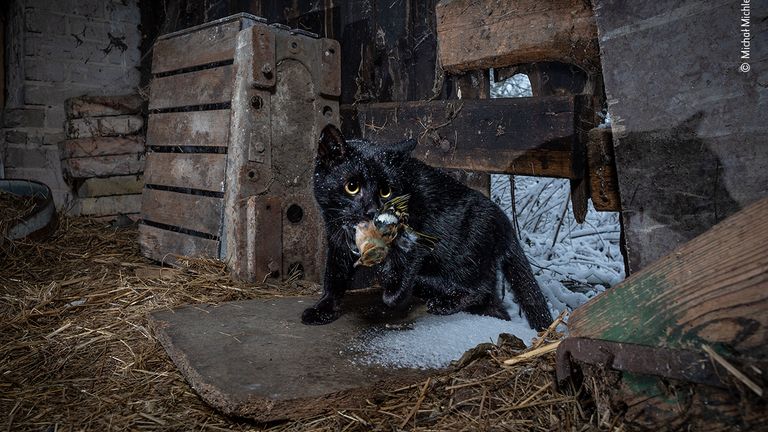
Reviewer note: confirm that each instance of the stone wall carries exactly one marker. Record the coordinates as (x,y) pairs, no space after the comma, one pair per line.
(56,50)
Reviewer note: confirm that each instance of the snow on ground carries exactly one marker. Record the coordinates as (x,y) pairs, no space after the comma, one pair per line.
(571,262)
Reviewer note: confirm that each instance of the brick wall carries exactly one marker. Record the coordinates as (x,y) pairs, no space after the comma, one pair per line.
(57,49)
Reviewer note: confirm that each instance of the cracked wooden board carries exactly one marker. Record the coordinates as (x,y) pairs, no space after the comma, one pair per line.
(255,359)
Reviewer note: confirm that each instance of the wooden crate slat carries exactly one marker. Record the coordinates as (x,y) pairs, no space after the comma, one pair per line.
(101,146)
(527,136)
(192,212)
(196,128)
(161,245)
(214,44)
(489,33)
(208,86)
(204,171)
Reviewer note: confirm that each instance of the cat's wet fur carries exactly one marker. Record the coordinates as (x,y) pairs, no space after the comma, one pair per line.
(476,242)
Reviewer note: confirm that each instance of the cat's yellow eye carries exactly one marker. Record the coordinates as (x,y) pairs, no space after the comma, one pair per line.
(385,192)
(351,187)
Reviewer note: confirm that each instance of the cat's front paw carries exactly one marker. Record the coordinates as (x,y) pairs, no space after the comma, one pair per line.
(319,316)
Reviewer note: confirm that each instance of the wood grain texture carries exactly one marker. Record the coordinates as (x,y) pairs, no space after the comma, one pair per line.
(213,44)
(528,136)
(107,206)
(110,126)
(691,152)
(713,290)
(496,33)
(203,171)
(208,86)
(95,106)
(101,146)
(601,166)
(196,128)
(119,185)
(192,212)
(163,245)
(103,166)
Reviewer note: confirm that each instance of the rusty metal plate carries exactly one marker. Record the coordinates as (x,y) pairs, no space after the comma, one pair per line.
(330,84)
(263,41)
(264,237)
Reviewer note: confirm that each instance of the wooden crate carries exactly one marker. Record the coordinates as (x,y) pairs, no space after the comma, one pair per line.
(236,107)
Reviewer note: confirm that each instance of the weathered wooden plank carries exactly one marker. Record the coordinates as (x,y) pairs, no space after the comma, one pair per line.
(528,136)
(163,245)
(101,146)
(695,152)
(120,185)
(103,166)
(210,45)
(204,171)
(196,128)
(193,212)
(104,126)
(601,166)
(95,106)
(120,220)
(208,86)
(491,33)
(107,206)
(713,290)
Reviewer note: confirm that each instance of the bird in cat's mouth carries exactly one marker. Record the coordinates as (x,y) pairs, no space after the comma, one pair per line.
(374,238)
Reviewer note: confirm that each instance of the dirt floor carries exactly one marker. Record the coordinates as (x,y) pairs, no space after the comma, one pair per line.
(76,354)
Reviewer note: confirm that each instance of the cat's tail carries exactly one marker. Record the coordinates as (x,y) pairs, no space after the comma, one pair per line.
(525,288)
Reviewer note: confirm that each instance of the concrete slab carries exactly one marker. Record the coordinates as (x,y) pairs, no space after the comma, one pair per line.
(255,358)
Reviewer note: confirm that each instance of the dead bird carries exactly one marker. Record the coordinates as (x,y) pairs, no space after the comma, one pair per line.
(373,238)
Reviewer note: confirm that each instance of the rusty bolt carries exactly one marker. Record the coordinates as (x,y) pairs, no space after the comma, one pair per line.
(253,175)
(259,147)
(266,70)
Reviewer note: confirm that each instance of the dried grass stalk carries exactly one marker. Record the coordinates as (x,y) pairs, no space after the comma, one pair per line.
(75,352)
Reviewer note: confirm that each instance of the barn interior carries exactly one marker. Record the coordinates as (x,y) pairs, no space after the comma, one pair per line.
(160,237)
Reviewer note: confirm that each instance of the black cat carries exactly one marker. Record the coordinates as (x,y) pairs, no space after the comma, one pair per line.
(476,244)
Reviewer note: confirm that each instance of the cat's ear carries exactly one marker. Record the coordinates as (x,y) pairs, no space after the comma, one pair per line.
(405,146)
(332,145)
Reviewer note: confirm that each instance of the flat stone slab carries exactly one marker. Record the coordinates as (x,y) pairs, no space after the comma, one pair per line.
(255,358)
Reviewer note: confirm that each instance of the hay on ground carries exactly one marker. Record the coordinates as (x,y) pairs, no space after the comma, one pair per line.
(76,354)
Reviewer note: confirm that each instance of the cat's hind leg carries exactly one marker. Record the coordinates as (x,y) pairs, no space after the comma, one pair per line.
(477,297)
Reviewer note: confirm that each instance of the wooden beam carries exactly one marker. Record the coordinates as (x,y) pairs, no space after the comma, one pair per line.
(526,136)
(491,33)
(711,291)
(601,166)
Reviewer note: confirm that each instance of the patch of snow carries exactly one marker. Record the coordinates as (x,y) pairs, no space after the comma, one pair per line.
(434,341)
(572,263)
